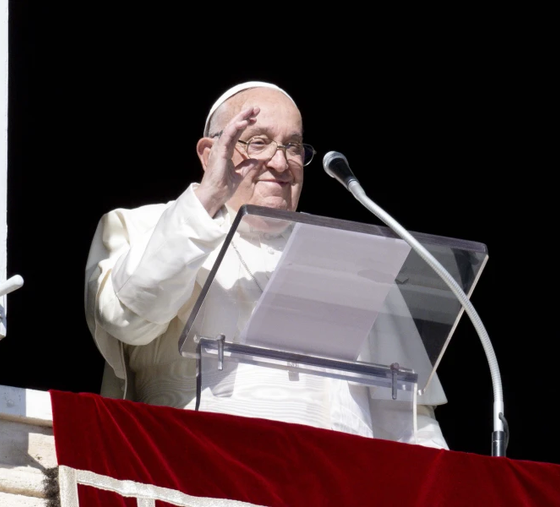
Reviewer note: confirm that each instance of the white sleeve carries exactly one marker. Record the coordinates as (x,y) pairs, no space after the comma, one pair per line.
(155,275)
(141,269)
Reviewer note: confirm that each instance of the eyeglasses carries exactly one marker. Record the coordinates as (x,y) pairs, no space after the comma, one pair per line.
(263,148)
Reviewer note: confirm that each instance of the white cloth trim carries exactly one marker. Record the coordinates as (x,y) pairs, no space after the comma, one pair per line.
(69,478)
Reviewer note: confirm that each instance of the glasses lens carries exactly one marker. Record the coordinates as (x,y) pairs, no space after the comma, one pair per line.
(309,153)
(260,148)
(295,152)
(263,148)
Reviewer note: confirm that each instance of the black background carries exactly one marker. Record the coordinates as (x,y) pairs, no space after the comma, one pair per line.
(106,106)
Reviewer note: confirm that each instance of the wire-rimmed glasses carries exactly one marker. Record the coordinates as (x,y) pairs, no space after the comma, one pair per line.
(263,148)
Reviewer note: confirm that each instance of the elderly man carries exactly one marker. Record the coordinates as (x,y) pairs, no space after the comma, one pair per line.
(147,266)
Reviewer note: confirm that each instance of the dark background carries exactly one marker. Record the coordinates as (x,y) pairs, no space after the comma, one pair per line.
(105,108)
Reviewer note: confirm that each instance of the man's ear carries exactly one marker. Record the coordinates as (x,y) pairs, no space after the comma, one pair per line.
(203,148)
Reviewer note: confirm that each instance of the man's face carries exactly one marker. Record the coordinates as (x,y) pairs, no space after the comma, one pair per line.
(278,182)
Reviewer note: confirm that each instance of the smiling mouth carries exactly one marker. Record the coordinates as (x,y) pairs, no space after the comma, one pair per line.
(278,182)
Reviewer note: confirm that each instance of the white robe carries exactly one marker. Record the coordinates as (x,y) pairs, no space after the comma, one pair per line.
(144,273)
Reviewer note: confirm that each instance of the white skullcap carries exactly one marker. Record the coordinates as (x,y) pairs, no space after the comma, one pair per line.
(236,89)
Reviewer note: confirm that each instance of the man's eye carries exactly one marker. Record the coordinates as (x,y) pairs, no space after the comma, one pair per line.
(294,149)
(260,142)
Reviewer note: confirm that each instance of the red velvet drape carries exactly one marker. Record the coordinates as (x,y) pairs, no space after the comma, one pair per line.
(276,464)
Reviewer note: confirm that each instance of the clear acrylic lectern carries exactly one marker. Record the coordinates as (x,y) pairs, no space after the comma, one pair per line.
(312,295)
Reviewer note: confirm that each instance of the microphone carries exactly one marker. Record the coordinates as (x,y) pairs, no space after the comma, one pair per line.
(336,166)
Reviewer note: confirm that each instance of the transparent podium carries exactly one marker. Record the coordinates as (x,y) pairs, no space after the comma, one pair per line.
(326,302)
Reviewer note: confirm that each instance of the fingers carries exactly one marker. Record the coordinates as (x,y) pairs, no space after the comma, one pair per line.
(235,128)
(223,146)
(241,121)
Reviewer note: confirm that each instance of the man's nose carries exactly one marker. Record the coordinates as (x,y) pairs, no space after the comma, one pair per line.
(279,160)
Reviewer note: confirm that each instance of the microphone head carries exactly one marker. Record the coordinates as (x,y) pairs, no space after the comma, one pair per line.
(336,166)
(329,157)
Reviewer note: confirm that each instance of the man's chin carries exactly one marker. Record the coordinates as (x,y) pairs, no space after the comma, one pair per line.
(276,202)
(266,224)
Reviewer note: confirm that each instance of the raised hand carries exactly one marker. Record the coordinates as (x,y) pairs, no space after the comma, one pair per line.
(221,176)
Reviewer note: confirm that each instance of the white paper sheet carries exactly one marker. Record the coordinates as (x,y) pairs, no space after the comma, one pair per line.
(326,292)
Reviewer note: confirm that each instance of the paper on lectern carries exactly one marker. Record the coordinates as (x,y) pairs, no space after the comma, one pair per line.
(326,292)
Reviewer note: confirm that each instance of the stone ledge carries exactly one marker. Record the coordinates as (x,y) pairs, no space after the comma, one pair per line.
(9,500)
(25,481)
(26,405)
(26,446)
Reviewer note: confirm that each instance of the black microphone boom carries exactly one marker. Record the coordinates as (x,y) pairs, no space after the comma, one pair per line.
(336,166)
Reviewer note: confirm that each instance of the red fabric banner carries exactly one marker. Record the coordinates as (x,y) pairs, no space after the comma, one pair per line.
(112,452)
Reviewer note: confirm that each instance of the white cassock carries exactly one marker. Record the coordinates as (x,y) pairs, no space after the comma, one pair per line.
(144,273)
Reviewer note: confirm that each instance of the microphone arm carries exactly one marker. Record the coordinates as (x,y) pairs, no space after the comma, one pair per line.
(500,435)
